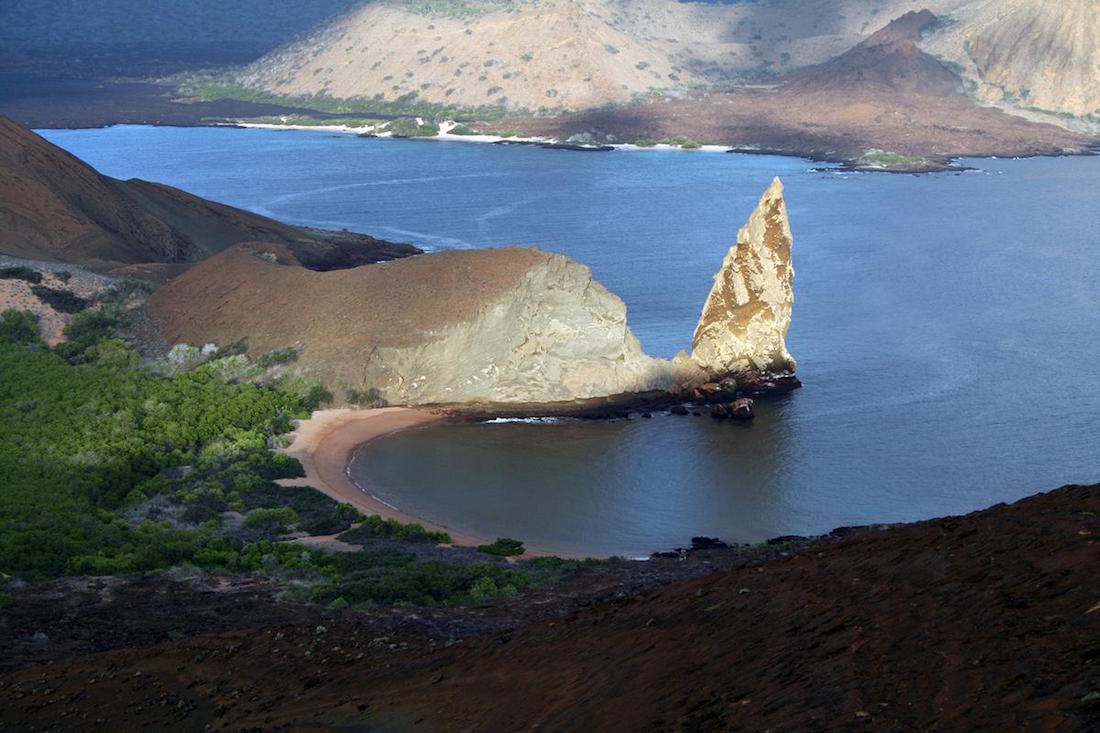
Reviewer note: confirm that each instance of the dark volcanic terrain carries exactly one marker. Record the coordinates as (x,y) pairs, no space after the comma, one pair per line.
(985,622)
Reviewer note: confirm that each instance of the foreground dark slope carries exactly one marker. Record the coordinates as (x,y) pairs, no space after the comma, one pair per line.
(53,206)
(985,622)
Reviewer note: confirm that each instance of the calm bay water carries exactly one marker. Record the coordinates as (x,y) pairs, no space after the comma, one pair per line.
(947,326)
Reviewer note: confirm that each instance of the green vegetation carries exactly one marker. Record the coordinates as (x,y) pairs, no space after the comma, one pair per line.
(884,159)
(645,143)
(279,356)
(20,273)
(503,547)
(462,130)
(682,142)
(369,397)
(62,301)
(374,527)
(107,468)
(217,85)
(409,127)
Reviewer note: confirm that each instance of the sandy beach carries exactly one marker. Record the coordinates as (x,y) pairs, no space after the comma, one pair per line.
(324,444)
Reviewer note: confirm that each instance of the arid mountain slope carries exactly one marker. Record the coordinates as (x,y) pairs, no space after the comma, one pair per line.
(985,622)
(883,103)
(54,206)
(562,54)
(1027,53)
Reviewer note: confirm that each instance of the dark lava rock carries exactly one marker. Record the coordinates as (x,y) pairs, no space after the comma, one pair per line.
(708,543)
(678,410)
(719,412)
(784,539)
(742,409)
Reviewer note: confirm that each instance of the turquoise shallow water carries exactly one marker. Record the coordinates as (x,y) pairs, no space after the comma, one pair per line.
(947,326)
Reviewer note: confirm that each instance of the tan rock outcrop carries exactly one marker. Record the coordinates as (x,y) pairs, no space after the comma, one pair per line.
(511,325)
(747,314)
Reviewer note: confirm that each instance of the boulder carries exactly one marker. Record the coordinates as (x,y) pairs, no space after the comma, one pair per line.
(742,409)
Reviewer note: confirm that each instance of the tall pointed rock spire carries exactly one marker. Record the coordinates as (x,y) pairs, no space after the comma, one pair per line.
(747,314)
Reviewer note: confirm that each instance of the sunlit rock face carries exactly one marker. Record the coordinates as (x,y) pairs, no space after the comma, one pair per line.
(747,314)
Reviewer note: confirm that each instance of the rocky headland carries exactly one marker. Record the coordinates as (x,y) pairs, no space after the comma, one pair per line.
(511,326)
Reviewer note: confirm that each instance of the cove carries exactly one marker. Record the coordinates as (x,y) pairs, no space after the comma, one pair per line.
(947,327)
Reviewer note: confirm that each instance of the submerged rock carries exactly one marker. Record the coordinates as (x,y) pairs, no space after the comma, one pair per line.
(742,409)
(747,314)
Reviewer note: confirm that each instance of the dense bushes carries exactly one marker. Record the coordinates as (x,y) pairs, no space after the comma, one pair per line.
(503,547)
(375,527)
(62,301)
(108,469)
(20,273)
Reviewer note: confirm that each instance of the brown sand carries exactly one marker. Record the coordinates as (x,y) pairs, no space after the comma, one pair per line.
(326,441)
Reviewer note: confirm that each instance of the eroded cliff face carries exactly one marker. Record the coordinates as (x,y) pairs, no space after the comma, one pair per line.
(746,316)
(557,336)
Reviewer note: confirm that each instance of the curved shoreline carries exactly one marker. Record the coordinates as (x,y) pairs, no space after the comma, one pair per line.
(326,442)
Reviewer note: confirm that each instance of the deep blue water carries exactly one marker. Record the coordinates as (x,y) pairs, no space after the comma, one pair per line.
(947,326)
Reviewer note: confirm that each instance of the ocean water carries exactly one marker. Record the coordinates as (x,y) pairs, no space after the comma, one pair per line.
(947,326)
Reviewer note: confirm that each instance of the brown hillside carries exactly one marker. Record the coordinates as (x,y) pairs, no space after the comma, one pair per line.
(884,94)
(889,58)
(54,206)
(336,317)
(988,622)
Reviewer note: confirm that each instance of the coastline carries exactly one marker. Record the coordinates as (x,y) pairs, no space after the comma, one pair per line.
(446,136)
(324,445)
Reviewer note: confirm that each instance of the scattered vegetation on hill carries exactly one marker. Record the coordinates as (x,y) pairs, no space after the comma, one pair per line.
(210,87)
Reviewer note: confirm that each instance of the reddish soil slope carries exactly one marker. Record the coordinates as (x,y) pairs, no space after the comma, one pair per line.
(985,622)
(54,206)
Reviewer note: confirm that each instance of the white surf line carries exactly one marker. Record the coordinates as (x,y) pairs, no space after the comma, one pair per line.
(445,135)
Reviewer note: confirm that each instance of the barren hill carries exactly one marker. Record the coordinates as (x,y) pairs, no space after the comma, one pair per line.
(562,54)
(54,206)
(1027,53)
(988,622)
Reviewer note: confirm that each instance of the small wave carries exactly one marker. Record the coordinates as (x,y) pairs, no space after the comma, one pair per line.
(525,420)
(383,501)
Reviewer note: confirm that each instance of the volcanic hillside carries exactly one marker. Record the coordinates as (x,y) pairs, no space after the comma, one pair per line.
(54,206)
(985,622)
(337,319)
(1027,53)
(562,54)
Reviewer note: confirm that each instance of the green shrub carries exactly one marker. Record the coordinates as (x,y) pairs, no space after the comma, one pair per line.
(462,130)
(503,547)
(408,127)
(645,143)
(62,301)
(19,327)
(21,273)
(375,527)
(279,356)
(276,520)
(369,397)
